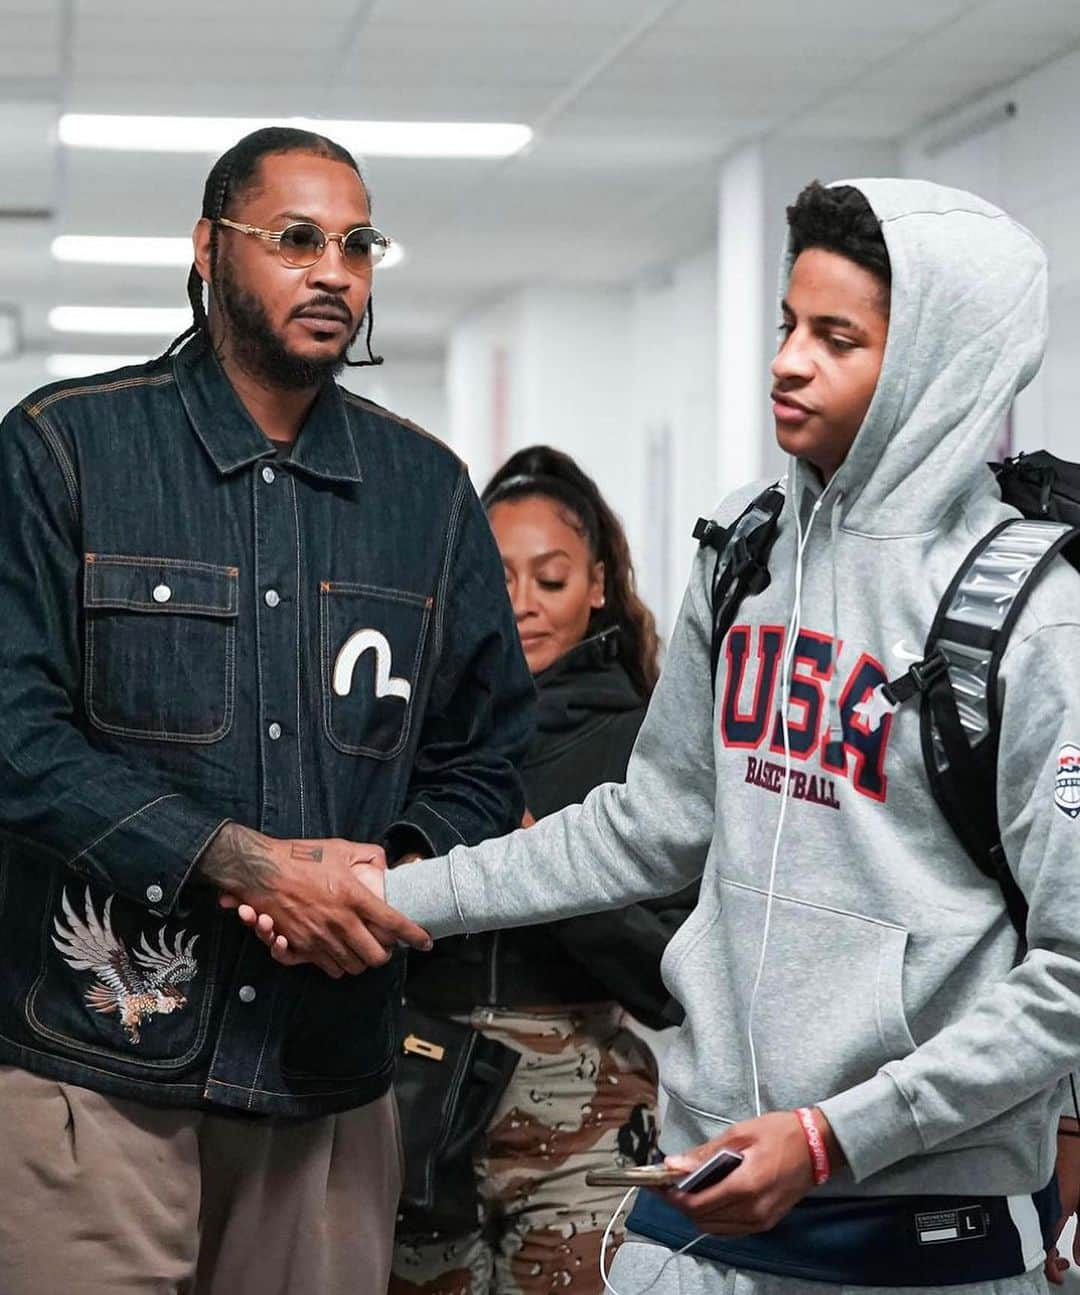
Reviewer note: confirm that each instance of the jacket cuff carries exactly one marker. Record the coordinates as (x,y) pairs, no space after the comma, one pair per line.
(874,1125)
(403,838)
(148,856)
(438,833)
(425,892)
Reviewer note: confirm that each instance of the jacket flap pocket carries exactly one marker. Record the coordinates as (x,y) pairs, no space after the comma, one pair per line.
(160,585)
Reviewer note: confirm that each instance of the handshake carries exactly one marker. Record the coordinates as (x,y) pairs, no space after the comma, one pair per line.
(317,901)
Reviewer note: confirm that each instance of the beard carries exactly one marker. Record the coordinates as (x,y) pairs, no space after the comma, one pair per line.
(259,350)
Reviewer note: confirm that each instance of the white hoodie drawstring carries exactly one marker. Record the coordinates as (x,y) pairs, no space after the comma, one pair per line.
(794,627)
(833,718)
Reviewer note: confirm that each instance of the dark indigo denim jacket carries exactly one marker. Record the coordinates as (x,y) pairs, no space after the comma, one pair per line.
(195,631)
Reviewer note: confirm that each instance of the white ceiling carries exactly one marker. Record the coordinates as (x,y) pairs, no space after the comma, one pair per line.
(634,101)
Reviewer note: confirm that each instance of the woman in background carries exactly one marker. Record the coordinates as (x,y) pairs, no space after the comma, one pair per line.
(584,1093)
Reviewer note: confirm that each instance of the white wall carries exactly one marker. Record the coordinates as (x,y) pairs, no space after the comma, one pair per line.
(414,389)
(1030,165)
(621,378)
(18,378)
(674,421)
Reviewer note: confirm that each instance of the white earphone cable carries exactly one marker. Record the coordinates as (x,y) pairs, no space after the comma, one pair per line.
(607,1241)
(794,628)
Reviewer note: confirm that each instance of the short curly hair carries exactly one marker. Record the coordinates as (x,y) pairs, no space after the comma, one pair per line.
(839,219)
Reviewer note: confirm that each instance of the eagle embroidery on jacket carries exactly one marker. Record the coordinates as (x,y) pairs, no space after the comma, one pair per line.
(136,985)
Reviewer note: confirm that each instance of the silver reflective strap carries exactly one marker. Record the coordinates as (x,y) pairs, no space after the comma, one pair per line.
(984,598)
(988,591)
(750,521)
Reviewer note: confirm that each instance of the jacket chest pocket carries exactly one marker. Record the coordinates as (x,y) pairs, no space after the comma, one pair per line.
(372,646)
(160,647)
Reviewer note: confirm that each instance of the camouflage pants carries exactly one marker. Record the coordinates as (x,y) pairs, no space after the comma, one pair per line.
(583,1097)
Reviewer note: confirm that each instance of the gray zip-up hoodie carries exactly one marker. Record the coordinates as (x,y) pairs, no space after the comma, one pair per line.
(891,992)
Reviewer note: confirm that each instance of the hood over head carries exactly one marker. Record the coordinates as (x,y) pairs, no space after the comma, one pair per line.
(967,331)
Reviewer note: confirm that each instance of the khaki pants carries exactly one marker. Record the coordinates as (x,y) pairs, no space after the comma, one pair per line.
(100,1196)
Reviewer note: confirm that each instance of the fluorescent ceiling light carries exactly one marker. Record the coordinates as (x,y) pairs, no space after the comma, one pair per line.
(93,249)
(368,138)
(120,320)
(74,365)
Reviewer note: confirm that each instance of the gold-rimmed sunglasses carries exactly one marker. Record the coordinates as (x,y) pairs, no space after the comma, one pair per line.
(303,242)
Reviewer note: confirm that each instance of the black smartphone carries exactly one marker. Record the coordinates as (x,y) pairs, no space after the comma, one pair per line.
(710,1172)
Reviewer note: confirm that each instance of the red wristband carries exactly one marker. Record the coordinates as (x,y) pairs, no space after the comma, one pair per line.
(819,1155)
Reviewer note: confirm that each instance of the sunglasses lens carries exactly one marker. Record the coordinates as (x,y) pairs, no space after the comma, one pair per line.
(301,244)
(365,248)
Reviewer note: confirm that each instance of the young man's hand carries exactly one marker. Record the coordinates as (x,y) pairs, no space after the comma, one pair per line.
(306,894)
(1068,1176)
(775,1175)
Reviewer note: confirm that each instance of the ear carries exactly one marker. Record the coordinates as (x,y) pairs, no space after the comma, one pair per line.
(200,242)
(596,586)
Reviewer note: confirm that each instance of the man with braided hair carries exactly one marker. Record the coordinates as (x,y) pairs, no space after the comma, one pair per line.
(256,632)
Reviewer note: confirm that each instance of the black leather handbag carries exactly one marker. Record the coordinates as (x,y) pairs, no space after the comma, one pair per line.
(448,1083)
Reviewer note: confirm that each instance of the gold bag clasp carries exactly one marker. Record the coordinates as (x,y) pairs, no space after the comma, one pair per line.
(422,1048)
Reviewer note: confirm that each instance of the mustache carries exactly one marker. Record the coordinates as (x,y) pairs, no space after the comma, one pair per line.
(324,305)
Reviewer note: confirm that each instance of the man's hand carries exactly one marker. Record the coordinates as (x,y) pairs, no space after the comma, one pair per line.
(775,1175)
(1068,1176)
(305,892)
(368,872)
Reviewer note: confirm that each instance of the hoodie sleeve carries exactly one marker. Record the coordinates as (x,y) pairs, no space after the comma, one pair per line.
(1021,1035)
(629,841)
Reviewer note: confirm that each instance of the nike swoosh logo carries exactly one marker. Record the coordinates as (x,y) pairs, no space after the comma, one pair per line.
(902,652)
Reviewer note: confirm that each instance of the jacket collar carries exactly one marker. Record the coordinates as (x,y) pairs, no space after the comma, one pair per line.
(231,437)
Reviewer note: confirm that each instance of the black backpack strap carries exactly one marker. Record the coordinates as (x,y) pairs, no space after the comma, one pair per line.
(957,682)
(742,561)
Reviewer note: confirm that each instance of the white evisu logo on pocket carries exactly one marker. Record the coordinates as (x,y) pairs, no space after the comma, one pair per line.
(352,650)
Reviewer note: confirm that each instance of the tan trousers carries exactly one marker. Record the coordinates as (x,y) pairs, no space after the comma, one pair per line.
(100,1196)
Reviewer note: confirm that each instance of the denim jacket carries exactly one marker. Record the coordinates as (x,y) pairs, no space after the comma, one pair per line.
(195,630)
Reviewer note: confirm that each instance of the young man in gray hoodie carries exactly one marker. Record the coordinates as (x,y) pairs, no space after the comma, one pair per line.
(860,1023)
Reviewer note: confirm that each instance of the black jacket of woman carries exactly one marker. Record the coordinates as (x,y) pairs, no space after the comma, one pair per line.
(588,716)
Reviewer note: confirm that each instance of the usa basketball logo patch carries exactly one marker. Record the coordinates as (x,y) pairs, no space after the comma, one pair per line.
(1067,780)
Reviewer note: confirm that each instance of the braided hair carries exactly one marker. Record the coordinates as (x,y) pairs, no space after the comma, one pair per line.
(233,172)
(541,470)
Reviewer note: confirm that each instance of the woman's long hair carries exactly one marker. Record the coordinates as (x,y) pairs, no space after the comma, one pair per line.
(541,470)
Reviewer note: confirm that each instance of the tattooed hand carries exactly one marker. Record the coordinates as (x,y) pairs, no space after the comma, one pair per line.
(370,872)
(307,892)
